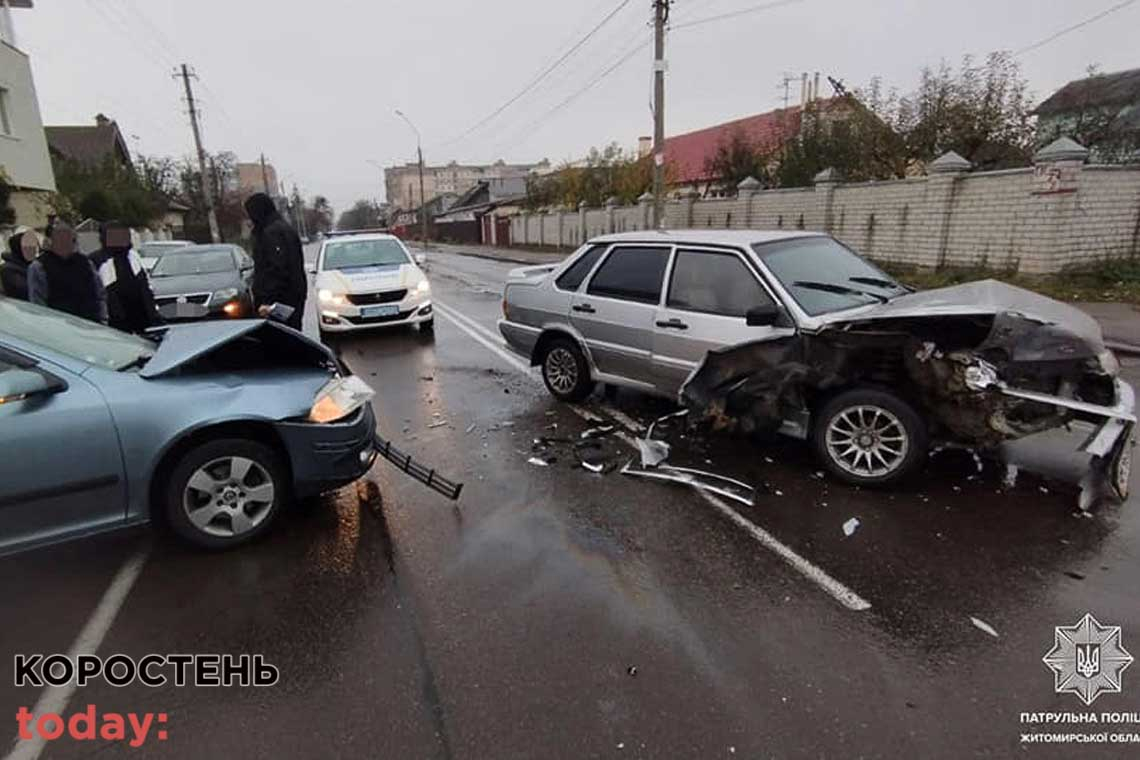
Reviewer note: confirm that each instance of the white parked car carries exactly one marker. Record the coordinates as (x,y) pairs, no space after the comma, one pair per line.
(367,281)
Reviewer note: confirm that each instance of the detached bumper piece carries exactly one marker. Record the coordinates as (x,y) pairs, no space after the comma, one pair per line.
(415,470)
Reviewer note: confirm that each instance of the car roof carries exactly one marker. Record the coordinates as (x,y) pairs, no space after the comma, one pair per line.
(704,237)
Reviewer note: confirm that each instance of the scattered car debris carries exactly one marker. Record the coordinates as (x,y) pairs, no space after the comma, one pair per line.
(632,670)
(598,432)
(653,453)
(851,526)
(982,625)
(703,481)
(470,428)
(438,423)
(415,470)
(538,462)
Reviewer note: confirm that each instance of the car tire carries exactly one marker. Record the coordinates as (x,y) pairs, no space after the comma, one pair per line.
(869,437)
(219,480)
(565,370)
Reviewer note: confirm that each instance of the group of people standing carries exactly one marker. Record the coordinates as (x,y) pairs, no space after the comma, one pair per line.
(111,285)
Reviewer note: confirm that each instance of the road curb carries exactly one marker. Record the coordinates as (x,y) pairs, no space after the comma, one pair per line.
(492,257)
(1123,348)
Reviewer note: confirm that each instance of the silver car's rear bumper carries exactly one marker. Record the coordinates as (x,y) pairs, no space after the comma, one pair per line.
(520,338)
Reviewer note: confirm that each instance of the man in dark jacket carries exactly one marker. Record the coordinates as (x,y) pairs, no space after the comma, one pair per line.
(63,278)
(278,261)
(23,247)
(130,301)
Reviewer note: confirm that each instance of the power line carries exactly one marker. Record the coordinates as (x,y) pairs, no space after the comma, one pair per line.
(742,12)
(1074,27)
(545,72)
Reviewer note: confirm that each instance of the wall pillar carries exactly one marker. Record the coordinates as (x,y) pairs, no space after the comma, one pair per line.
(748,189)
(1054,201)
(942,183)
(583,236)
(645,204)
(688,205)
(526,228)
(611,221)
(825,183)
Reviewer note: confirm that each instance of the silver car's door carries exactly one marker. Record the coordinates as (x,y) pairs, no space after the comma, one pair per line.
(62,469)
(709,292)
(615,313)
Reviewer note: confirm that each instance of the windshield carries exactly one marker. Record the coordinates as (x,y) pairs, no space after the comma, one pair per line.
(194,261)
(73,337)
(353,254)
(159,248)
(830,277)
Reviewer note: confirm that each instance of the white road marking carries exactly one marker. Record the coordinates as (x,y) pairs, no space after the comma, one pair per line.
(816,575)
(54,699)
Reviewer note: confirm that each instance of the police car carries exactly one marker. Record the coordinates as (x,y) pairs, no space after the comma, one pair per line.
(366,281)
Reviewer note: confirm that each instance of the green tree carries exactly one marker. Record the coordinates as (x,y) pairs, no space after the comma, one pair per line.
(605,173)
(105,191)
(736,159)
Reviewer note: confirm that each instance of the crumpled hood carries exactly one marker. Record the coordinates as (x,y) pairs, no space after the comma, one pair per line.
(182,344)
(982,297)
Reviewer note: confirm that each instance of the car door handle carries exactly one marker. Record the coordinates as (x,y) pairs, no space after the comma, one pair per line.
(673,324)
(584,307)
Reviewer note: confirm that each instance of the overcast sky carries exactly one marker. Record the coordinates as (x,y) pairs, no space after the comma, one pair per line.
(315,85)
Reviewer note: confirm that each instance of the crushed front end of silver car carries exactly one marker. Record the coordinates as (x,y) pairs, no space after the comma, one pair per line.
(980,373)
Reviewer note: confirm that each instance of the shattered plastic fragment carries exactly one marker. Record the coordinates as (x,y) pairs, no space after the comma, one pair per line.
(704,481)
(982,625)
(851,526)
(681,413)
(438,423)
(592,467)
(1010,479)
(653,453)
(470,428)
(597,432)
(537,462)
(980,376)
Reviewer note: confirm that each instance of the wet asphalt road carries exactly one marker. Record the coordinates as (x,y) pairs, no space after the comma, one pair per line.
(559,613)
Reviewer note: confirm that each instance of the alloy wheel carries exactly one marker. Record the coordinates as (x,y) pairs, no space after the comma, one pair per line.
(228,497)
(867,441)
(561,370)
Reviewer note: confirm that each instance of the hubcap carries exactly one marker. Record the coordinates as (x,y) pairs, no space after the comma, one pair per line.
(867,441)
(561,370)
(228,497)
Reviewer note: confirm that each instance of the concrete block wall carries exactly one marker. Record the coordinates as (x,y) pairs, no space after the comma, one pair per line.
(1040,219)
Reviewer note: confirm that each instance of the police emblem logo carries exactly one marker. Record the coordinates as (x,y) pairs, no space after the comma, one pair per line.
(1087,659)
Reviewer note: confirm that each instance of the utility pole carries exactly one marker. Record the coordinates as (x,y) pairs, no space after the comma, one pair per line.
(207,193)
(660,18)
(420,157)
(264,175)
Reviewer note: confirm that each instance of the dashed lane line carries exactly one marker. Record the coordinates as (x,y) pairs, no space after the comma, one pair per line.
(834,588)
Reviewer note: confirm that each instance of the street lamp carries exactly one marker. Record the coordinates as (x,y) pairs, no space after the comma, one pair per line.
(420,155)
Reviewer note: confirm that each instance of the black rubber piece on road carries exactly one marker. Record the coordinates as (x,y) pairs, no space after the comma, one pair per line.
(910,419)
(263,455)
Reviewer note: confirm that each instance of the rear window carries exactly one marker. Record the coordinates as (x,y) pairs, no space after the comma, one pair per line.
(632,274)
(572,277)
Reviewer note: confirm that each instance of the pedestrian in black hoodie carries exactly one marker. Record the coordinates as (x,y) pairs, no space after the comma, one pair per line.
(23,247)
(62,278)
(278,261)
(130,301)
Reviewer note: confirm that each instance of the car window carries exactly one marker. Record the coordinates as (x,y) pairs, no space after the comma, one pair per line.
(805,265)
(572,277)
(185,261)
(70,336)
(715,283)
(355,254)
(632,274)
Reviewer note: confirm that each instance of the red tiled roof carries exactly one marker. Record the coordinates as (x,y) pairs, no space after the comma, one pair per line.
(686,154)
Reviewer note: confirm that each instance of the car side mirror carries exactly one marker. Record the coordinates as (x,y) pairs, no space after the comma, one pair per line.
(421,258)
(20,383)
(766,315)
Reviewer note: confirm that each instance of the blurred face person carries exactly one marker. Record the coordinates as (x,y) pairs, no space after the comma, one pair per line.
(118,237)
(29,246)
(63,242)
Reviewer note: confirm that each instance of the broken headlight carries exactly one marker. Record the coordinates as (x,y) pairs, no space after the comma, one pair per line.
(339,398)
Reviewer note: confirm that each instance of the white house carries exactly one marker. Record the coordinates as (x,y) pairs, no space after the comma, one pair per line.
(24,157)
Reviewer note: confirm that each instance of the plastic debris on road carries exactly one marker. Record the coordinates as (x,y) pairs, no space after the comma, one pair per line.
(1010,478)
(982,625)
(703,481)
(598,432)
(653,453)
(438,423)
(851,526)
(538,462)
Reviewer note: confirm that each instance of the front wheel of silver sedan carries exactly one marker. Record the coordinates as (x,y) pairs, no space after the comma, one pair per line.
(869,437)
(225,492)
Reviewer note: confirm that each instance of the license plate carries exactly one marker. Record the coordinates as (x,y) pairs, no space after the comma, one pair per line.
(183,311)
(388,310)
